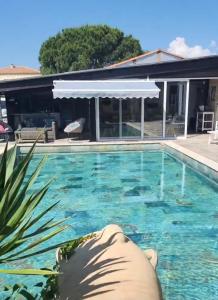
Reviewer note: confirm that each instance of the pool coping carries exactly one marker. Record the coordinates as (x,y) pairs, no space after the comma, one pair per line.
(2,149)
(206,161)
(194,159)
(199,163)
(93,146)
(197,157)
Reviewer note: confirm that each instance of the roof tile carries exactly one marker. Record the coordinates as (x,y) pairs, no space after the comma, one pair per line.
(12,69)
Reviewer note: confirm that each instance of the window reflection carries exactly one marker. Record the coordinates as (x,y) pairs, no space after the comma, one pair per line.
(153,115)
(131,118)
(109,117)
(175,109)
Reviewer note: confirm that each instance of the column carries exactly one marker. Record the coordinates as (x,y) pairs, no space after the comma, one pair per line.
(186,108)
(164,108)
(180,99)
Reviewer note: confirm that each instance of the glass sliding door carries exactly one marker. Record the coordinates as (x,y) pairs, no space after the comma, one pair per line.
(133,118)
(153,115)
(120,118)
(130,111)
(109,118)
(175,109)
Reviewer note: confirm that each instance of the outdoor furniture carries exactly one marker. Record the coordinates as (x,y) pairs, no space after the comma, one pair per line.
(213,135)
(175,129)
(39,120)
(52,131)
(175,126)
(29,134)
(204,121)
(5,131)
(75,127)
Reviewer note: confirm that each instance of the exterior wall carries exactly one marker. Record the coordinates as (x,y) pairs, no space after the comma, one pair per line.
(213,101)
(16,76)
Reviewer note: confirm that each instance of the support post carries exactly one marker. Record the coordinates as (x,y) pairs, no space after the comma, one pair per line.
(142,117)
(186,108)
(97,119)
(164,108)
(180,99)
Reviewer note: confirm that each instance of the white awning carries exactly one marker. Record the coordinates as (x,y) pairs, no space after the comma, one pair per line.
(105,89)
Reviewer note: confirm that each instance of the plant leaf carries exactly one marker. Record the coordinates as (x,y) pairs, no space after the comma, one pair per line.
(28,272)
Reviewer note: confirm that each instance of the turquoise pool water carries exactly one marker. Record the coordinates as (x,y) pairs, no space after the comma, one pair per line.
(160,203)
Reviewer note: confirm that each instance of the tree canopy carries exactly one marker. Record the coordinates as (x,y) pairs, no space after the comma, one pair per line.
(86,47)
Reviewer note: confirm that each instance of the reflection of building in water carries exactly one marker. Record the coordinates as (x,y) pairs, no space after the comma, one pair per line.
(181,173)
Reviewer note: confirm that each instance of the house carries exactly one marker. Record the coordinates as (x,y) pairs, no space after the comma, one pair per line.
(149,57)
(160,100)
(10,73)
(16,72)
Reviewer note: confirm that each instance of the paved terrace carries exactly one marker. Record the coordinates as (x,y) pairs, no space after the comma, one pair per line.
(199,144)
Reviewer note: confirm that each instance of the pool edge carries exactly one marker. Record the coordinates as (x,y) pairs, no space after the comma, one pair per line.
(200,163)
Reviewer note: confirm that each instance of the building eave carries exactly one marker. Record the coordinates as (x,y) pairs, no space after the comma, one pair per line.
(187,68)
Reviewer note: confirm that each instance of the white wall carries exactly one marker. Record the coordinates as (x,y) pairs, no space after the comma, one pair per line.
(16,76)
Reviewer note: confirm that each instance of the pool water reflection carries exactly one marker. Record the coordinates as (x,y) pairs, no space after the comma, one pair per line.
(160,203)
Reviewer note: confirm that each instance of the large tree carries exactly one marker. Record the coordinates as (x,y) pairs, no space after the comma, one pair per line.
(86,47)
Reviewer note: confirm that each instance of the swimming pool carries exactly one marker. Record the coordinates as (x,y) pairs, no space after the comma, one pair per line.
(159,201)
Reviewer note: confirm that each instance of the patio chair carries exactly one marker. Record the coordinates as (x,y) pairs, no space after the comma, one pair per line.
(75,127)
(175,126)
(213,135)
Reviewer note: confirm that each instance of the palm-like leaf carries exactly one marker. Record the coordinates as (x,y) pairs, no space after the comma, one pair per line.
(29,272)
(18,223)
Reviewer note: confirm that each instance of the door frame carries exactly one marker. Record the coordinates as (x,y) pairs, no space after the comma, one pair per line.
(165,88)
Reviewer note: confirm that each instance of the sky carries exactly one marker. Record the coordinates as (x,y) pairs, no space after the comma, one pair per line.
(185,27)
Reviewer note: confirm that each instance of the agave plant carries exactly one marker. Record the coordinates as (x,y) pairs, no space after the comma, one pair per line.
(20,232)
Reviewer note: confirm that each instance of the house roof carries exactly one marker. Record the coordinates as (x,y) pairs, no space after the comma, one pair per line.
(18,70)
(146,54)
(204,67)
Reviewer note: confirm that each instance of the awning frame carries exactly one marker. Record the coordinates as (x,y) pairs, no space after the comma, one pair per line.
(116,89)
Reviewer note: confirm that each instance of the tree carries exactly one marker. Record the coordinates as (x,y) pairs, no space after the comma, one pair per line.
(86,47)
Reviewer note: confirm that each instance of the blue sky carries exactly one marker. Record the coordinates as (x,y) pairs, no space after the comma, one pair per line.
(25,24)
